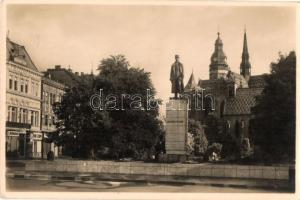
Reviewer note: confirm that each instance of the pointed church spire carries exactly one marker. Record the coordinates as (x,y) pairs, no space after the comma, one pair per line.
(245,46)
(245,64)
(191,84)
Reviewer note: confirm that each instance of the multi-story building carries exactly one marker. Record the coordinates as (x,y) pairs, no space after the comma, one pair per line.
(30,96)
(52,91)
(23,86)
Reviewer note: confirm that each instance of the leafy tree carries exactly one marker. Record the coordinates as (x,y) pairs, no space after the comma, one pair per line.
(135,128)
(274,122)
(123,125)
(80,130)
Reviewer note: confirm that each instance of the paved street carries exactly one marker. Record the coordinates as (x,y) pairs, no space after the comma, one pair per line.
(110,186)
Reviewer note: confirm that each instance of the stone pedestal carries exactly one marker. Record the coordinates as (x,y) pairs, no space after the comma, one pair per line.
(176,129)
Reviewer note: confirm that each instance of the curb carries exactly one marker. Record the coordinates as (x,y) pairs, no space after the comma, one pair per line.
(170,181)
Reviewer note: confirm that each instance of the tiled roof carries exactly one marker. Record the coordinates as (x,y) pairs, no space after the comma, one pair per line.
(257,81)
(18,54)
(68,78)
(242,103)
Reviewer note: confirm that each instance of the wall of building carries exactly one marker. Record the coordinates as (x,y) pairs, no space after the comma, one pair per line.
(238,126)
(23,109)
(52,92)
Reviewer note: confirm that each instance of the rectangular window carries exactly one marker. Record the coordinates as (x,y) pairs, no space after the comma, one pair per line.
(54,99)
(26,87)
(53,120)
(37,89)
(16,85)
(25,116)
(50,97)
(20,115)
(10,84)
(22,88)
(46,120)
(14,114)
(8,113)
(36,118)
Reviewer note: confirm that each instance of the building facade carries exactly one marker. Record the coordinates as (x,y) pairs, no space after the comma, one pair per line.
(234,94)
(52,92)
(23,102)
(30,95)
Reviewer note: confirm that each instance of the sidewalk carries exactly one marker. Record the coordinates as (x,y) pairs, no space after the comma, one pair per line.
(282,185)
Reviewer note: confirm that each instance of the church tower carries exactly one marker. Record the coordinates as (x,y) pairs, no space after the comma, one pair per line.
(245,64)
(218,67)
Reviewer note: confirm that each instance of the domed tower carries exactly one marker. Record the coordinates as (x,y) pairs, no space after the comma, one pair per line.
(218,67)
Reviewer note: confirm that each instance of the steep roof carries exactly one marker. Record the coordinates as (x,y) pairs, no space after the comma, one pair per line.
(191,84)
(18,54)
(242,103)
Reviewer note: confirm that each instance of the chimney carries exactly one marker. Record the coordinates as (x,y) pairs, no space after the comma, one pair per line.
(57,67)
(81,74)
(76,73)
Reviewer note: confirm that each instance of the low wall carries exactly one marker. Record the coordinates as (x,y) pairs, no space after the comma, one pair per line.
(162,169)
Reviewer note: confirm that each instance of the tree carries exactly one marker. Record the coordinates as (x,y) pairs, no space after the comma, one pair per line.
(135,130)
(80,130)
(274,122)
(125,125)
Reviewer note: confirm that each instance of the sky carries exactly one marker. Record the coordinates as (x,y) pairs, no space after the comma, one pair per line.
(149,36)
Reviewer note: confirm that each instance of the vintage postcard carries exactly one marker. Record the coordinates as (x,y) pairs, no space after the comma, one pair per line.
(148,99)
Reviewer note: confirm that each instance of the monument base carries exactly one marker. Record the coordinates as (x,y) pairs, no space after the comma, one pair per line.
(176,158)
(176,130)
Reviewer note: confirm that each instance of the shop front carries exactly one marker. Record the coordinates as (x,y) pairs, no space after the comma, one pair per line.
(16,144)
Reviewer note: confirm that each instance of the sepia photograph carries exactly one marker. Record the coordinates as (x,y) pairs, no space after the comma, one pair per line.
(149,97)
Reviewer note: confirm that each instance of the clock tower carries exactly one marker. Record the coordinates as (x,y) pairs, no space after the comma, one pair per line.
(218,67)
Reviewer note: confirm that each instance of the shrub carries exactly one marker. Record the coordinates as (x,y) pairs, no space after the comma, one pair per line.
(230,148)
(201,143)
(197,142)
(246,150)
(215,148)
(190,143)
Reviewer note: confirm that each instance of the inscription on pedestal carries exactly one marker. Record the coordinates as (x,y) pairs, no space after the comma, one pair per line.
(176,126)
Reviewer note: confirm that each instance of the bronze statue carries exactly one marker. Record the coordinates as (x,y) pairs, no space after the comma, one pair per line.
(176,77)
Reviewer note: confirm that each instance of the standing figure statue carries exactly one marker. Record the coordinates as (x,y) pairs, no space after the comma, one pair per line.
(176,77)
